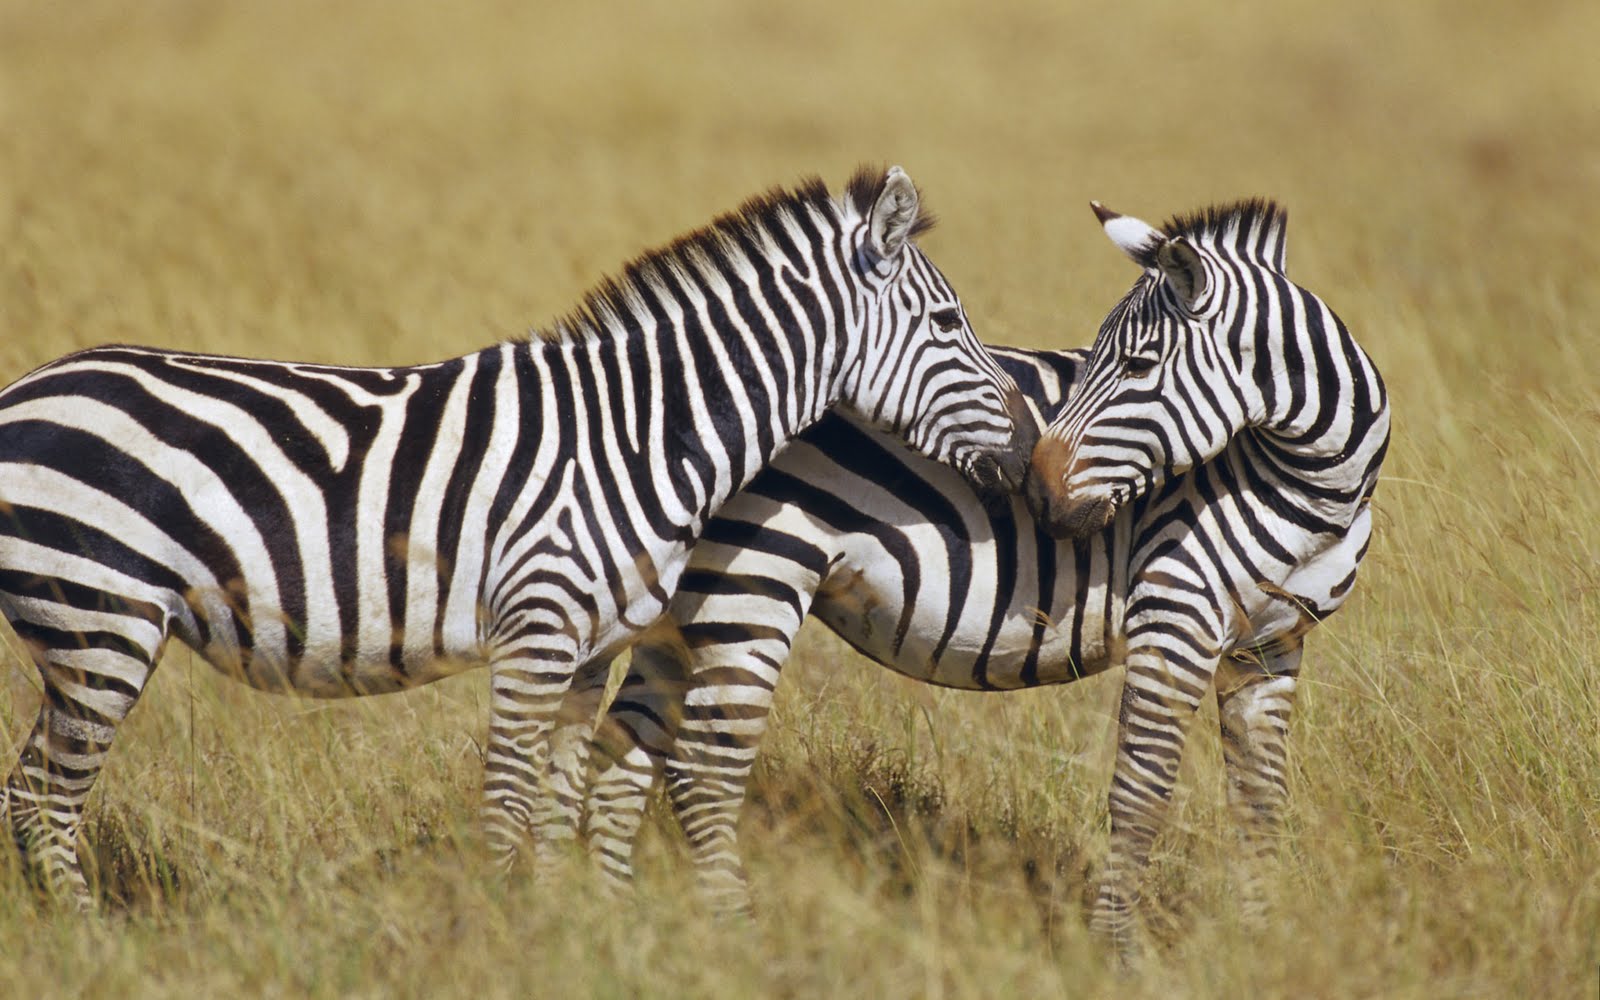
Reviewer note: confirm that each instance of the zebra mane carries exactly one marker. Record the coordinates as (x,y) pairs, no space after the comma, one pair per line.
(1253,227)
(751,223)
(866,184)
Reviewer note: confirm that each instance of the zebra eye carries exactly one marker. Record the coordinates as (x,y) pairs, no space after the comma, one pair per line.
(946,319)
(1138,365)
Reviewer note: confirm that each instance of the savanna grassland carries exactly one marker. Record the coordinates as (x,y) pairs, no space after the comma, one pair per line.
(397,182)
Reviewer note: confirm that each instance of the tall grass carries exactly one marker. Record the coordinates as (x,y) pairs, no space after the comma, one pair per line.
(406,181)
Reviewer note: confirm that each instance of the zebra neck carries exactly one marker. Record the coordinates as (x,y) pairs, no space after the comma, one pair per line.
(688,414)
(1327,429)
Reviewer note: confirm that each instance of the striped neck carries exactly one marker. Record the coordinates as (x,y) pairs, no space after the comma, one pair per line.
(1325,415)
(707,357)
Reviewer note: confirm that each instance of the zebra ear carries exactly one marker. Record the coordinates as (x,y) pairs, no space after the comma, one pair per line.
(1180,262)
(1133,237)
(894,215)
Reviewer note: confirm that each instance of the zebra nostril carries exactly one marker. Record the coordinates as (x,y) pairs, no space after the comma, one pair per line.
(984,472)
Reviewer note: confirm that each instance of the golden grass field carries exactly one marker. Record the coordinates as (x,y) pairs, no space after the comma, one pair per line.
(397,182)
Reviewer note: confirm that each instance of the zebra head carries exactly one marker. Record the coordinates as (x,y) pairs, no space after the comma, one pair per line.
(1173,373)
(922,372)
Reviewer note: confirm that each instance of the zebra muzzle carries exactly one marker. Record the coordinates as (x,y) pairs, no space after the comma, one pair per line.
(999,473)
(1059,513)
(1081,519)
(1068,518)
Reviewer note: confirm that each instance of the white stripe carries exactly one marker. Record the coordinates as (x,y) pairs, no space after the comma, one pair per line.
(24,485)
(325,430)
(462,632)
(422,542)
(374,627)
(307,508)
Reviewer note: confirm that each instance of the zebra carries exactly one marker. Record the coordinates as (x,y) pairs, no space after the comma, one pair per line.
(1238,429)
(337,531)
(1231,412)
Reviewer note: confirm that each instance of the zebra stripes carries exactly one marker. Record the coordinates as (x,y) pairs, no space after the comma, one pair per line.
(347,531)
(1214,362)
(1208,581)
(893,552)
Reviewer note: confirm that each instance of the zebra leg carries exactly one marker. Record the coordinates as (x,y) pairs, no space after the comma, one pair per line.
(1160,695)
(724,717)
(1255,695)
(630,751)
(94,665)
(526,690)
(557,822)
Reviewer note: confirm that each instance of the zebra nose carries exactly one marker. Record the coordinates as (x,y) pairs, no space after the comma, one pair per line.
(1042,487)
(1061,517)
(1081,519)
(1012,469)
(1058,513)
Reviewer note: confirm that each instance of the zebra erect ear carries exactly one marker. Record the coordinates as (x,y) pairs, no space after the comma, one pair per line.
(894,215)
(1133,237)
(1180,262)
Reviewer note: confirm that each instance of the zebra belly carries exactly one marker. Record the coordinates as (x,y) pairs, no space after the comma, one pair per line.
(1020,653)
(327,663)
(325,676)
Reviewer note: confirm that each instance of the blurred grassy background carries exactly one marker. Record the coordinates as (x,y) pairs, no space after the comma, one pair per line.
(404,181)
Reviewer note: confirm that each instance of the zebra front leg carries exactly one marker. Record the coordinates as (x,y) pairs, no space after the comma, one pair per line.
(630,751)
(526,690)
(1255,696)
(1160,694)
(558,815)
(91,681)
(724,717)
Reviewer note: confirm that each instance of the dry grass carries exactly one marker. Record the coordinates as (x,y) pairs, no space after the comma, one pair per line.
(405,181)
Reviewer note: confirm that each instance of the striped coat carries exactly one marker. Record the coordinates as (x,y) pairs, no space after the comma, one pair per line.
(906,564)
(346,531)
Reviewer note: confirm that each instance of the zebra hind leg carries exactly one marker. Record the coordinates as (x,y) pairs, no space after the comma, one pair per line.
(630,751)
(92,677)
(1255,696)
